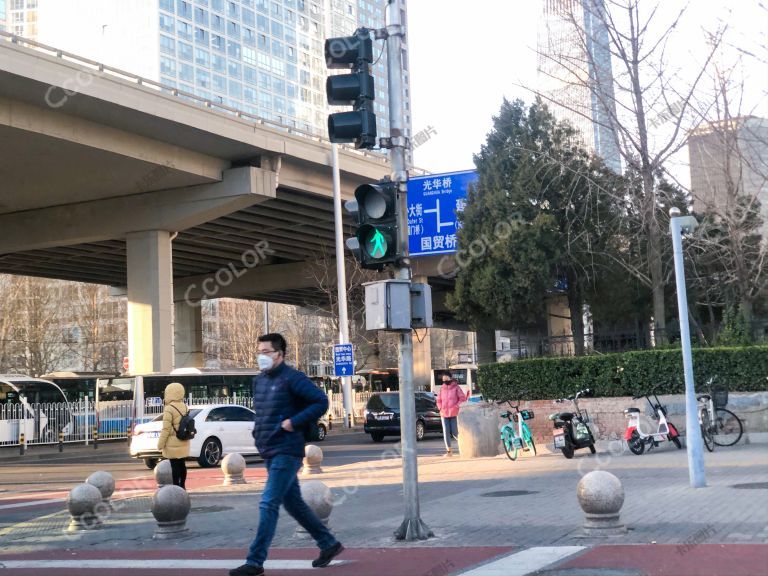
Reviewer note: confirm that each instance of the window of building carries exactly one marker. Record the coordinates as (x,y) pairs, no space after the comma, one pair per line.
(314,8)
(184,9)
(277,11)
(167,66)
(277,29)
(218,5)
(219,83)
(187,88)
(233,29)
(291,52)
(262,23)
(249,37)
(278,49)
(305,78)
(262,60)
(201,36)
(249,94)
(219,63)
(186,72)
(249,55)
(291,72)
(291,90)
(234,69)
(278,86)
(202,57)
(17,5)
(249,75)
(265,101)
(183,30)
(262,6)
(290,16)
(249,18)
(202,2)
(235,91)
(201,16)
(234,50)
(247,3)
(163,80)
(217,43)
(167,45)
(265,81)
(31,4)
(278,104)
(217,23)
(185,51)
(233,10)
(278,67)
(166,23)
(203,78)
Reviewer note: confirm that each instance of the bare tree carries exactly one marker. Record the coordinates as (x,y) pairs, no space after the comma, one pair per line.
(626,101)
(9,314)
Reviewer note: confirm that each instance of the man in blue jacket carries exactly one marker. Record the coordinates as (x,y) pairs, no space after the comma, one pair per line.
(285,401)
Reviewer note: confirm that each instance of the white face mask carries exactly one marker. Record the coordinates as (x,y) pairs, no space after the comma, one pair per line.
(265,361)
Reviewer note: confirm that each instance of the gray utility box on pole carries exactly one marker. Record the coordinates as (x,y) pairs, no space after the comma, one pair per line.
(397,305)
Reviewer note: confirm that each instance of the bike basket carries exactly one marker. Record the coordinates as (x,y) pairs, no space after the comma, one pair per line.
(720,396)
(527,414)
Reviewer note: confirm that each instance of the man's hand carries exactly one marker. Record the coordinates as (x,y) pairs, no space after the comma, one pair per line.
(286,425)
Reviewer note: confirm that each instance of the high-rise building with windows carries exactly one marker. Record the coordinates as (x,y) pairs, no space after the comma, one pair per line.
(575,75)
(19,17)
(264,57)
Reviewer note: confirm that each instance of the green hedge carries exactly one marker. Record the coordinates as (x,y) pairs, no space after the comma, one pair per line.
(744,369)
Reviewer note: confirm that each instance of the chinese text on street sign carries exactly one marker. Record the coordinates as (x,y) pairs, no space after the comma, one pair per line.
(343,360)
(433,202)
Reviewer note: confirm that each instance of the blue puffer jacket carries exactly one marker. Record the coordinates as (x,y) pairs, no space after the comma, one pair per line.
(281,393)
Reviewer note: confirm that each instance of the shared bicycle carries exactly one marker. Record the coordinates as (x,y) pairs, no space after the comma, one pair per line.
(520,439)
(719,426)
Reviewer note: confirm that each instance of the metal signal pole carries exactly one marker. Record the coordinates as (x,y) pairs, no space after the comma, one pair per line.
(412,527)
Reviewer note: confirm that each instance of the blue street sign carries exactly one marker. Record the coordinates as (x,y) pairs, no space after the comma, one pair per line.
(343,360)
(432,205)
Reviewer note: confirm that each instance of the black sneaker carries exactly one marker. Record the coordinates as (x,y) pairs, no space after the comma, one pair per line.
(247,570)
(327,555)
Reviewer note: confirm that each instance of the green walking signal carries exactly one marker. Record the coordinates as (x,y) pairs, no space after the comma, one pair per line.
(375,242)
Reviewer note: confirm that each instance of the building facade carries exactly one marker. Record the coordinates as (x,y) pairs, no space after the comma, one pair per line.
(19,17)
(264,57)
(729,163)
(575,75)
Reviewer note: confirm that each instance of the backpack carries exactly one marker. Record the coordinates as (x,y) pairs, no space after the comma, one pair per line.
(186,430)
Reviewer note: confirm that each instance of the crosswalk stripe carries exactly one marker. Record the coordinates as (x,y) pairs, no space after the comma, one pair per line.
(525,562)
(176,564)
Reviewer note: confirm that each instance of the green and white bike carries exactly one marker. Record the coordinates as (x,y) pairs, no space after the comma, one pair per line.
(515,440)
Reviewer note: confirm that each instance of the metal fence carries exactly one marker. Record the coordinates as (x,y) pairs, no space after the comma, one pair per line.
(79,422)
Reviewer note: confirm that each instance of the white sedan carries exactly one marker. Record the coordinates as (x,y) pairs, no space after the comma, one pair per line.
(221,430)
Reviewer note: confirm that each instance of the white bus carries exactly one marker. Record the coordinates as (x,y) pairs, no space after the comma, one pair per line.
(464,374)
(36,407)
(124,401)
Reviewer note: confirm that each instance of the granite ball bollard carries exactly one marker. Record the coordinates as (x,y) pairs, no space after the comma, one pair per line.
(320,499)
(313,458)
(105,482)
(233,467)
(601,496)
(163,474)
(83,502)
(170,507)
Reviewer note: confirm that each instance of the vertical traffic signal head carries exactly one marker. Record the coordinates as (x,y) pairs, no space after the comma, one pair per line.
(376,241)
(355,89)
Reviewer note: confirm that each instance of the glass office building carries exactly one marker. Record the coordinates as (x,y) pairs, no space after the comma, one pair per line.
(264,57)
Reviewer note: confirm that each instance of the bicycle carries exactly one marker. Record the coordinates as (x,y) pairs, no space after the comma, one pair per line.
(637,439)
(522,439)
(719,426)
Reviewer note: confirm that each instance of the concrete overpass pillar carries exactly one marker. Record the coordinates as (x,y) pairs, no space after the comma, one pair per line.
(188,335)
(150,301)
(422,352)
(486,346)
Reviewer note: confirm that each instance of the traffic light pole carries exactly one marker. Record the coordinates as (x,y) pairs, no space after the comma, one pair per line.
(412,527)
(341,285)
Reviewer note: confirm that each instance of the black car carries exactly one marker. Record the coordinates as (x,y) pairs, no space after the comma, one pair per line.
(382,415)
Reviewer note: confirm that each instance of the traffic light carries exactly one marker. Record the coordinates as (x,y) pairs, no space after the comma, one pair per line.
(375,243)
(354,89)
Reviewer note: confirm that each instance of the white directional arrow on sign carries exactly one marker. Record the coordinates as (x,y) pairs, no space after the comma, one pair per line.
(344,369)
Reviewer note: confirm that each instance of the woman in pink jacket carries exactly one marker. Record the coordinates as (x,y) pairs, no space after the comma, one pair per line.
(448,400)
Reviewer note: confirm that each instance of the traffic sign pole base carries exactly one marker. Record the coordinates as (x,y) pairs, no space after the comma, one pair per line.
(413,529)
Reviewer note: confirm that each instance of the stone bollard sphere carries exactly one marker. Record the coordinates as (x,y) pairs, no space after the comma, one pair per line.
(104,482)
(313,458)
(233,467)
(82,504)
(170,507)
(320,499)
(163,474)
(601,496)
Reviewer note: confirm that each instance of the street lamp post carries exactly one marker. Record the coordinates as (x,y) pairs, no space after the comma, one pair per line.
(694,444)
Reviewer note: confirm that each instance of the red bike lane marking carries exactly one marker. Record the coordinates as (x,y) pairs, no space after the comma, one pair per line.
(677,559)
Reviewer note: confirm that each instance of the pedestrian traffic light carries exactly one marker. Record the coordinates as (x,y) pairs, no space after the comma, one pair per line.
(355,89)
(375,242)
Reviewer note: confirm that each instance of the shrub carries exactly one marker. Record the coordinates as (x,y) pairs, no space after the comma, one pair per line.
(744,369)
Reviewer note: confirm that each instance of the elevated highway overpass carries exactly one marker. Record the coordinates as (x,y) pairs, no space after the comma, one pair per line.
(109,178)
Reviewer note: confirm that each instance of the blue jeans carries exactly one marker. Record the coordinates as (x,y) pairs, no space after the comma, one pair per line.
(450,429)
(283,488)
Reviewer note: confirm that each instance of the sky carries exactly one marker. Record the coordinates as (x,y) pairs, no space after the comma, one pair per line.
(466,57)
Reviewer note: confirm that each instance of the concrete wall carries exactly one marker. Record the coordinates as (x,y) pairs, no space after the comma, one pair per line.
(608,414)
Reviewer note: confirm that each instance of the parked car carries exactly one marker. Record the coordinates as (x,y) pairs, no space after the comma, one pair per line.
(221,429)
(382,415)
